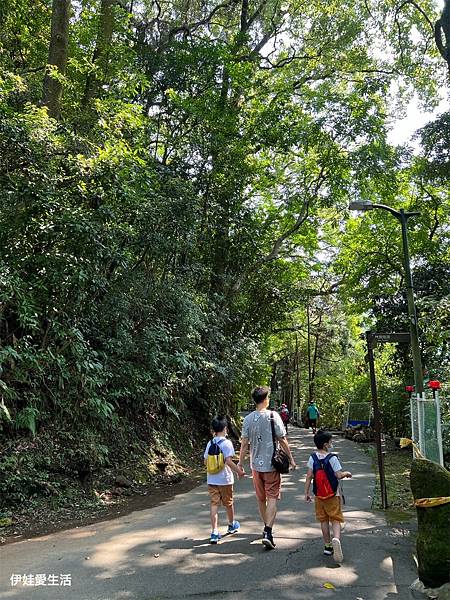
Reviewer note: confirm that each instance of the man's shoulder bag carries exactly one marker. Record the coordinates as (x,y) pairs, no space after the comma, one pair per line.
(280,460)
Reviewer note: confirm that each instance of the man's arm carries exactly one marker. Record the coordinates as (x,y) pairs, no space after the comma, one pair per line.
(285,446)
(243,451)
(309,477)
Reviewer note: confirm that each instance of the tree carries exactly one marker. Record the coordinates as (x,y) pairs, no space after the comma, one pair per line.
(57,57)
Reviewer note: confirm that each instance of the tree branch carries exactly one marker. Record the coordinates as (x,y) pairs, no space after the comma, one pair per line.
(417,7)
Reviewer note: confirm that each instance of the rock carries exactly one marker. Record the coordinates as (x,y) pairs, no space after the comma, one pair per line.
(430,480)
(444,592)
(418,591)
(122,481)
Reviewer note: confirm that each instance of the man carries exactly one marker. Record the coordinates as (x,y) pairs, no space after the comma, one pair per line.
(257,432)
(312,414)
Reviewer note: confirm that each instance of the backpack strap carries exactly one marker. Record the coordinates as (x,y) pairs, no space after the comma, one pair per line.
(330,471)
(218,442)
(316,467)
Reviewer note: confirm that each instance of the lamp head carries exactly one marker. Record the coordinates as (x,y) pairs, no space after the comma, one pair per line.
(361,205)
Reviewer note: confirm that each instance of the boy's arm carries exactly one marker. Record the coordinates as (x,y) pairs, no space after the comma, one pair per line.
(309,477)
(343,474)
(236,468)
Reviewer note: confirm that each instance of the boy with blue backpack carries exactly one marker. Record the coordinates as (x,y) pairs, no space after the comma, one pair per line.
(218,458)
(325,471)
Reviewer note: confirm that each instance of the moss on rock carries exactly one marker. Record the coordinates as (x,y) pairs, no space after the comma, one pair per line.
(430,480)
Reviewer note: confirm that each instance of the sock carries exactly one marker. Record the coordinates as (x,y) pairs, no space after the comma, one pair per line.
(268,529)
(216,531)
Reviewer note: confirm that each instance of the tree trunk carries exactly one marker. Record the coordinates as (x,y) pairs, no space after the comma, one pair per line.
(297,376)
(101,52)
(442,33)
(57,56)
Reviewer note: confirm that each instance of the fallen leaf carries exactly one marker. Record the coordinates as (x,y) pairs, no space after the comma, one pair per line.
(329,586)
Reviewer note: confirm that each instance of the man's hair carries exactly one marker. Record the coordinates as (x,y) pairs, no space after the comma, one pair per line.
(321,438)
(260,393)
(219,423)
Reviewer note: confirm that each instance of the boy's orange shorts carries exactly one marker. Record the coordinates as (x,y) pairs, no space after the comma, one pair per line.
(329,509)
(221,494)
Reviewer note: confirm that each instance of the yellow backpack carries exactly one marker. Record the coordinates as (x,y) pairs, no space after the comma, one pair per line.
(215,460)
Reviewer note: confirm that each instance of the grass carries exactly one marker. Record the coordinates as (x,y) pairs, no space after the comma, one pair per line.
(397,465)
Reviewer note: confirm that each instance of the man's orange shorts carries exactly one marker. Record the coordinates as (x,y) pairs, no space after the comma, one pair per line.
(221,494)
(267,484)
(329,509)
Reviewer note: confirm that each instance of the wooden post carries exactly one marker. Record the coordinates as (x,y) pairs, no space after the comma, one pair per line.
(377,421)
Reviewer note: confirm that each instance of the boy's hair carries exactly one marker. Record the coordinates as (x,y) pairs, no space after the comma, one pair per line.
(260,393)
(219,423)
(321,438)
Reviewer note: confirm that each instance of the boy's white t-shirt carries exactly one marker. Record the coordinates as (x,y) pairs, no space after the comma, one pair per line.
(334,462)
(225,476)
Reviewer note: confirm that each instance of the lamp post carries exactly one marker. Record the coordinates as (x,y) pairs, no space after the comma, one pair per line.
(403,217)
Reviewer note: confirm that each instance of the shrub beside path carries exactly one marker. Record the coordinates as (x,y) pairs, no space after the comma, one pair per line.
(163,553)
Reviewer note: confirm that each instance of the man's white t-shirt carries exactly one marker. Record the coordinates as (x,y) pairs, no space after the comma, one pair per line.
(334,462)
(257,429)
(225,476)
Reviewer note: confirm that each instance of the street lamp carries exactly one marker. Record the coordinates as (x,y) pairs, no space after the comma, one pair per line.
(403,217)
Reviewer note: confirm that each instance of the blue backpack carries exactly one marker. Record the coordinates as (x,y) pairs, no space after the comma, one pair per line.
(325,483)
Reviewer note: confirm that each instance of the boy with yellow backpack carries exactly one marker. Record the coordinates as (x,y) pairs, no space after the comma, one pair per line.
(218,457)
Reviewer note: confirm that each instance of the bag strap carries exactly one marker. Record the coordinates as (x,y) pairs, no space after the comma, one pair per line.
(316,462)
(218,442)
(272,426)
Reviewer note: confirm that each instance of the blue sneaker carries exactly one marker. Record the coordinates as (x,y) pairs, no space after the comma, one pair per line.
(215,537)
(233,527)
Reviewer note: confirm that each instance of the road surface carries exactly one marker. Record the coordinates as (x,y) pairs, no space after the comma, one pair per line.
(163,553)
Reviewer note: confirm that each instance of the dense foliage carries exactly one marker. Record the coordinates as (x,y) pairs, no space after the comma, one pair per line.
(174,178)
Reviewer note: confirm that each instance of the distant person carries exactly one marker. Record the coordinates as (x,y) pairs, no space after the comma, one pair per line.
(312,415)
(325,471)
(219,463)
(257,433)
(285,416)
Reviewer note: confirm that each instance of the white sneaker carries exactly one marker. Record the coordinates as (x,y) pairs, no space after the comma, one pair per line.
(337,548)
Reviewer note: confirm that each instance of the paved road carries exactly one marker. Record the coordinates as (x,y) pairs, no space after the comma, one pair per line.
(163,553)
